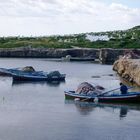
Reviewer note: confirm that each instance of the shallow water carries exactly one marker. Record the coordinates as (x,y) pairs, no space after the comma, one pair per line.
(39,111)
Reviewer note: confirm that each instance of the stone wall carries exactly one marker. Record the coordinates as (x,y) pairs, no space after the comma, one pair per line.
(106,56)
(48,53)
(128,69)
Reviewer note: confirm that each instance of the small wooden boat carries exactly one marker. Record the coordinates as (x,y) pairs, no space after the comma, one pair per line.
(38,76)
(11,71)
(7,72)
(130,97)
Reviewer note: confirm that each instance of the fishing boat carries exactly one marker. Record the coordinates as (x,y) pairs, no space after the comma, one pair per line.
(130,97)
(88,92)
(39,76)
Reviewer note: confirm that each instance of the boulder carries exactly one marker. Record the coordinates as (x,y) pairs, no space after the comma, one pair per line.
(128,69)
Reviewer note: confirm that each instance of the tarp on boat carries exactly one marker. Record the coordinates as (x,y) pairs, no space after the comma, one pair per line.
(87,88)
(54,73)
(28,69)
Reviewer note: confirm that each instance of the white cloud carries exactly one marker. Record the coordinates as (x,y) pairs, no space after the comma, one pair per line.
(64,16)
(119,7)
(124,14)
(39,8)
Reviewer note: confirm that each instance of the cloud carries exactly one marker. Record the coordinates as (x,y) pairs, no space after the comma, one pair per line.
(28,8)
(123,14)
(119,7)
(62,8)
(39,8)
(65,16)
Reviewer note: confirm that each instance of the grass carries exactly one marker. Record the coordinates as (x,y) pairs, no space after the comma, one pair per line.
(120,39)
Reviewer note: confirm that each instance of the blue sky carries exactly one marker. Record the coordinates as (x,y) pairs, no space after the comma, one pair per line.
(53,17)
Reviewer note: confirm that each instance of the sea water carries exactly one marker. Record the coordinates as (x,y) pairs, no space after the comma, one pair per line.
(39,111)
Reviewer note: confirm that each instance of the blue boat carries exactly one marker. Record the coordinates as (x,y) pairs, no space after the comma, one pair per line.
(7,72)
(29,74)
(88,92)
(130,97)
(39,76)
(11,71)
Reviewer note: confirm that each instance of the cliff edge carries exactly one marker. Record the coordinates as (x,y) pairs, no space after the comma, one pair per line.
(128,69)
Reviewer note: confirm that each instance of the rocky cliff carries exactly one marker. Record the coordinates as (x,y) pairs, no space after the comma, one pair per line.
(109,56)
(106,56)
(48,52)
(128,69)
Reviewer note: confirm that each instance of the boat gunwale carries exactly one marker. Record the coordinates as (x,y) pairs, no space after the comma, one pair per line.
(119,96)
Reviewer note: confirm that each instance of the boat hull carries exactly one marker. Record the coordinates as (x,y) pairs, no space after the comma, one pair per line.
(10,72)
(131,97)
(7,72)
(37,78)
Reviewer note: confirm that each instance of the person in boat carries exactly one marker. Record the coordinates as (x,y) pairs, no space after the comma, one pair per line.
(123,88)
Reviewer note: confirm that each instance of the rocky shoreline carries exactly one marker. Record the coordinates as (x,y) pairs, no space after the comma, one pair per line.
(106,56)
(128,69)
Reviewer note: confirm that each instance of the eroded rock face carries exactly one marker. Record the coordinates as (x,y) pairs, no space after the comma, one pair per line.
(48,52)
(109,56)
(128,69)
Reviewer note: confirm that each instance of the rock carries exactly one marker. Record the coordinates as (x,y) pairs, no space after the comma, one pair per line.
(110,74)
(30,52)
(96,76)
(128,69)
(109,56)
(106,55)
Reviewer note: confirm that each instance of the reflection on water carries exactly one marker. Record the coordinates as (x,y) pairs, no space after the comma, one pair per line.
(85,108)
(123,112)
(49,83)
(37,111)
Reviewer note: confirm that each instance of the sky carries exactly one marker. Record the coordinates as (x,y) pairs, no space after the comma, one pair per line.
(61,17)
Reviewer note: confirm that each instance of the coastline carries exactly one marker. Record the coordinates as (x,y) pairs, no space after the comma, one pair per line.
(106,55)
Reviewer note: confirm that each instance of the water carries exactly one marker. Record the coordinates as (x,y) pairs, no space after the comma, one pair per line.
(39,111)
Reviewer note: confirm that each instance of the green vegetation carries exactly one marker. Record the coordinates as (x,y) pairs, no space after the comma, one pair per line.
(113,39)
